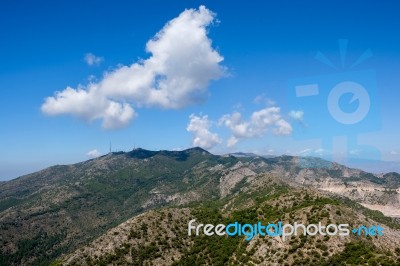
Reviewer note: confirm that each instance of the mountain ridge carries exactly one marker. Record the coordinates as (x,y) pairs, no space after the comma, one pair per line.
(141,153)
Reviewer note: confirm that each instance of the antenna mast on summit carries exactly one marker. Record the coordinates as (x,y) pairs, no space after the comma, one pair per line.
(110,146)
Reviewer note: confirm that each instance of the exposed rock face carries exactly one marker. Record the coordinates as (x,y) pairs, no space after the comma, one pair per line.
(233,176)
(379,192)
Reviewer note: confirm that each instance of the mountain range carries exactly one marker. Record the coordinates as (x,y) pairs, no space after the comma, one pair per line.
(132,208)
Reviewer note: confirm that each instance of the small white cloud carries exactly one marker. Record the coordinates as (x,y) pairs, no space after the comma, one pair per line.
(258,99)
(231,141)
(263,99)
(176,74)
(355,152)
(320,152)
(306,152)
(202,137)
(260,122)
(313,152)
(237,106)
(93,153)
(296,115)
(92,78)
(394,153)
(93,60)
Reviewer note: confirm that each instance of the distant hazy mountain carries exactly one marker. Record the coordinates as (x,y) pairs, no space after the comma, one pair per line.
(243,154)
(373,166)
(52,213)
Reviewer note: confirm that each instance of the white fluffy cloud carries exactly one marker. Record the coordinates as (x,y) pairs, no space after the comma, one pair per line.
(177,74)
(202,137)
(267,119)
(93,60)
(90,106)
(93,153)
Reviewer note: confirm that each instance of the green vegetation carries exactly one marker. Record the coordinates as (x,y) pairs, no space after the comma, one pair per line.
(214,250)
(36,247)
(9,202)
(361,253)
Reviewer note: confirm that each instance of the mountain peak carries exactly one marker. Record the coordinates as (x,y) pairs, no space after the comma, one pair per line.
(141,153)
(196,150)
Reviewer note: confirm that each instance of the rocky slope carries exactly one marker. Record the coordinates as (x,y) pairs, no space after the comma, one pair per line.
(376,192)
(160,237)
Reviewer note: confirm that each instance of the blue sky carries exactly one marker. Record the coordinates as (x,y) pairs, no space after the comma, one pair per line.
(239,96)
